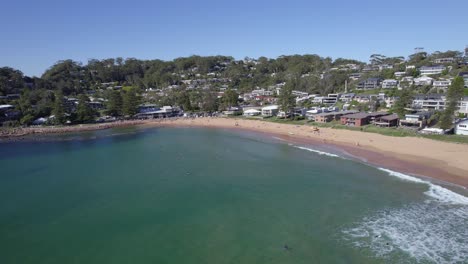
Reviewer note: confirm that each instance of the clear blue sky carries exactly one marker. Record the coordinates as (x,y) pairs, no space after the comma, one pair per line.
(36,34)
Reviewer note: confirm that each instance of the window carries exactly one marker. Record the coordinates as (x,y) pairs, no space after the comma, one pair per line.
(464,126)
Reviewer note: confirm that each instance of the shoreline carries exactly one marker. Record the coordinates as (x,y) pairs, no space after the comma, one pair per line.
(421,157)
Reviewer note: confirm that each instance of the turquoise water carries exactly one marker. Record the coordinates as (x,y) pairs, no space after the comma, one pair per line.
(180,195)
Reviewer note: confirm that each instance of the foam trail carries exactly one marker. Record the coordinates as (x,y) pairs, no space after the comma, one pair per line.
(435,191)
(318,151)
(430,232)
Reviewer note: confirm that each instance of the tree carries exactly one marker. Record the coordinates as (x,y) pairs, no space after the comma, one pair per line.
(84,112)
(130,102)
(114,105)
(403,101)
(209,101)
(230,98)
(454,94)
(59,109)
(286,98)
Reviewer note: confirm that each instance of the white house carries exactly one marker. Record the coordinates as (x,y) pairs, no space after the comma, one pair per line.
(429,70)
(400,74)
(389,84)
(252,112)
(461,128)
(270,110)
(423,80)
(442,84)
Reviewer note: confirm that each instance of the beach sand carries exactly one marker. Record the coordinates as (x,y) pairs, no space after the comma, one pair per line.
(444,161)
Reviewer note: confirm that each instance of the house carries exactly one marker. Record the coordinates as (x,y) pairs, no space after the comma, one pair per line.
(463,106)
(461,127)
(465,77)
(389,84)
(232,111)
(444,60)
(385,67)
(347,97)
(371,83)
(387,121)
(400,74)
(442,84)
(429,101)
(418,120)
(358,119)
(390,101)
(252,112)
(299,93)
(430,70)
(423,80)
(331,116)
(374,115)
(270,110)
(163,112)
(354,76)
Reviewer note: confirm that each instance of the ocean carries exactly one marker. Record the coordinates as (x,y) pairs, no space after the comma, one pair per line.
(195,195)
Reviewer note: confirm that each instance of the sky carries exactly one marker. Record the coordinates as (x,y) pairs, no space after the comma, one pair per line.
(37,34)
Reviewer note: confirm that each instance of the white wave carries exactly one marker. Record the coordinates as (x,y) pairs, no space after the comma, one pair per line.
(318,151)
(440,193)
(427,232)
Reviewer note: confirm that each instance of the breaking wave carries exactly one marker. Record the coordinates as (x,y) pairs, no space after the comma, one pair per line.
(434,231)
(317,151)
(437,192)
(427,232)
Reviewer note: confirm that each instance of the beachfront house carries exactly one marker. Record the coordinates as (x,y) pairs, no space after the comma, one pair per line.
(163,112)
(417,120)
(461,127)
(330,116)
(387,121)
(358,119)
(252,112)
(270,110)
(232,111)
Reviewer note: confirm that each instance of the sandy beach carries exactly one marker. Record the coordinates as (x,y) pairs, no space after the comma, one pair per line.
(423,157)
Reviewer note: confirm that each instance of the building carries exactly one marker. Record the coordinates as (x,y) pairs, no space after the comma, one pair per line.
(442,84)
(430,70)
(465,77)
(461,128)
(389,84)
(331,116)
(423,80)
(252,112)
(444,60)
(417,120)
(387,121)
(163,112)
(429,102)
(400,74)
(358,119)
(270,110)
(463,107)
(371,83)
(347,97)
(375,115)
(232,111)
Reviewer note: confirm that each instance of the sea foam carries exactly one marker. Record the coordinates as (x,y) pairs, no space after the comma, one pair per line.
(318,151)
(440,193)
